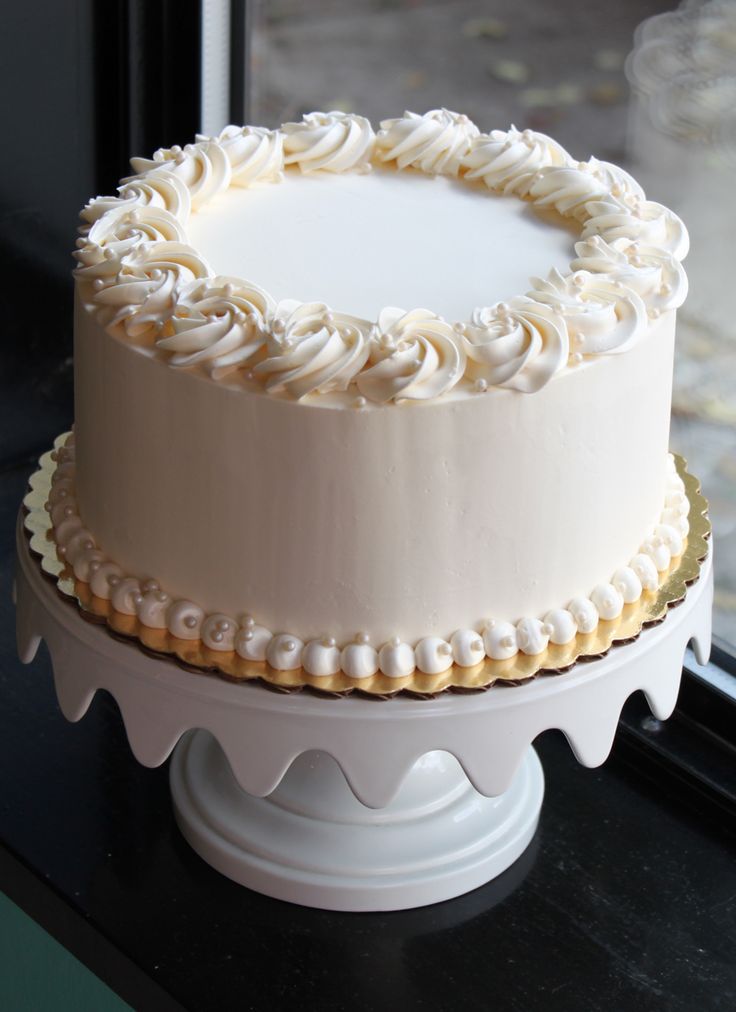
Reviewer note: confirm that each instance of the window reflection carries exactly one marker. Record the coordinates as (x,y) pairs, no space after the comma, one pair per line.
(637,82)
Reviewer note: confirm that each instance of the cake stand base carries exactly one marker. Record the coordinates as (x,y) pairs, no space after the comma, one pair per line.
(312,842)
(353,804)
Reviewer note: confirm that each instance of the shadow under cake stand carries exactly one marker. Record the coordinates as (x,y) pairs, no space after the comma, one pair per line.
(353,804)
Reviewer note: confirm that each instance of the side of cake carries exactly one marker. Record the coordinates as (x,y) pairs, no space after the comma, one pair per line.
(342,488)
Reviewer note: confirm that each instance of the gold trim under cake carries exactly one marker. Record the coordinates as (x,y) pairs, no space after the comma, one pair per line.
(650,609)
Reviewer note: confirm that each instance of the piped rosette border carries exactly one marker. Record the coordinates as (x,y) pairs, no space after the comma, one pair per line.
(143,281)
(238,648)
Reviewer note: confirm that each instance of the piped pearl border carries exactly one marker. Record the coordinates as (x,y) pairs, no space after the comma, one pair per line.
(322,657)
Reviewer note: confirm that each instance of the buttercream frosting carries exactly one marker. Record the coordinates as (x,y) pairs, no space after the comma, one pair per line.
(139,274)
(438,141)
(498,639)
(329,142)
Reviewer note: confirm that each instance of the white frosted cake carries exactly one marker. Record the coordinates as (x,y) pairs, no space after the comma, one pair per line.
(325,420)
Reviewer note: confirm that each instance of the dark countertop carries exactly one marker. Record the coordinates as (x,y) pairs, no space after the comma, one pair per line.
(625,898)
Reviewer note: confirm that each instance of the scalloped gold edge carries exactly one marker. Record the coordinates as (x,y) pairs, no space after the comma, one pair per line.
(651,608)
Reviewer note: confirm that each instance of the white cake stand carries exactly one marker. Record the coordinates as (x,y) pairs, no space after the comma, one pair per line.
(435,796)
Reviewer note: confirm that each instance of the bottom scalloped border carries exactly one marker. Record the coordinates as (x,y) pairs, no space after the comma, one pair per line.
(194,656)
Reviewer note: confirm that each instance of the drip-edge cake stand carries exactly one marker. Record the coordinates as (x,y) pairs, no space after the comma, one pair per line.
(436,796)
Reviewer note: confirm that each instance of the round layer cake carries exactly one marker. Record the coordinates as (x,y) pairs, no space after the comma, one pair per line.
(321,405)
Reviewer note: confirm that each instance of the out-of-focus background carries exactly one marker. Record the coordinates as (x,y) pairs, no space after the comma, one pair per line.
(644,83)
(639,82)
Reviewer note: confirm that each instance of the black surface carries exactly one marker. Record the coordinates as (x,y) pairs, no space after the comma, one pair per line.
(625,900)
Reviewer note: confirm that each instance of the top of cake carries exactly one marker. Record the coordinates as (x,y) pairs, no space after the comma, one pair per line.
(378,271)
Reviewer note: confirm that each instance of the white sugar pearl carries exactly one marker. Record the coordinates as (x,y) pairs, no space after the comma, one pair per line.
(84,561)
(284,652)
(433,655)
(63,510)
(359,659)
(500,640)
(657,551)
(608,601)
(677,500)
(80,541)
(216,635)
(645,569)
(125,595)
(64,531)
(672,518)
(100,583)
(532,636)
(468,648)
(152,610)
(396,659)
(671,538)
(562,626)
(184,620)
(251,642)
(585,614)
(321,658)
(627,583)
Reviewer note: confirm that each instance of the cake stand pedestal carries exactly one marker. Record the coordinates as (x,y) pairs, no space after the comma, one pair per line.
(353,804)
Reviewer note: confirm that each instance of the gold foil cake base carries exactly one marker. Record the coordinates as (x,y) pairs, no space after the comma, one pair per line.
(650,609)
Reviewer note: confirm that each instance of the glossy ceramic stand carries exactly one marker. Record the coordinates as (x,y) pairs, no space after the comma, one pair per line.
(353,804)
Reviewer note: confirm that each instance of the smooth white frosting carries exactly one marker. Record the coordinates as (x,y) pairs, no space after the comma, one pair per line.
(361,242)
(461,467)
(323,657)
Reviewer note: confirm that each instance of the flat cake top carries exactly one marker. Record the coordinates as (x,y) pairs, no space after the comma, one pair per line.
(362,241)
(388,267)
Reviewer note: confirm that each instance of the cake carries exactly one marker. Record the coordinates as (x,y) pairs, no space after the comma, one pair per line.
(324,420)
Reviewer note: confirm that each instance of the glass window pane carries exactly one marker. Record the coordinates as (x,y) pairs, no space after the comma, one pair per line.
(636,82)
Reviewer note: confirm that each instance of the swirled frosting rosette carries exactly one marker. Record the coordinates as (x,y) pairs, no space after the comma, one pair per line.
(520,345)
(632,218)
(508,160)
(219,323)
(568,189)
(414,356)
(602,316)
(311,349)
(651,272)
(147,287)
(204,167)
(255,154)
(435,142)
(159,189)
(137,272)
(329,142)
(115,234)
